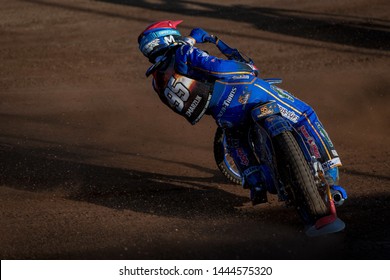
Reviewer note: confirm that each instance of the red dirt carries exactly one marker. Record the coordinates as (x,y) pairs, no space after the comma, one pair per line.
(93,166)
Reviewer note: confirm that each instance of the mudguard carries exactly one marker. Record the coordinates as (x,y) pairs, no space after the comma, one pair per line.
(272,121)
(276,124)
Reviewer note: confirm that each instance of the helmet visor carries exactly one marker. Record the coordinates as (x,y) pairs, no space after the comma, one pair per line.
(157,39)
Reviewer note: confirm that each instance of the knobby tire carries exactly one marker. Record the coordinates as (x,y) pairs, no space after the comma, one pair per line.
(297,175)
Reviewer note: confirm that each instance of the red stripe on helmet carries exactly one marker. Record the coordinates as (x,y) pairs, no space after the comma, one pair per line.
(164,24)
(161,24)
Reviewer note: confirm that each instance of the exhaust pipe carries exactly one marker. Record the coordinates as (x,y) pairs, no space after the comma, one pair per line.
(337,197)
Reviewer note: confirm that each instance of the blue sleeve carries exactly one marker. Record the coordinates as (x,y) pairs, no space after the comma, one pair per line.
(198,64)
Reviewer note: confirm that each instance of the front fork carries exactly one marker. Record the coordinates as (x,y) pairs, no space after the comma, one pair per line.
(267,116)
(322,177)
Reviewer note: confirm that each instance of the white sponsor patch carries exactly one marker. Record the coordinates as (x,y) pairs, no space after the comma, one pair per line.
(240,77)
(150,46)
(227,101)
(331,163)
(288,114)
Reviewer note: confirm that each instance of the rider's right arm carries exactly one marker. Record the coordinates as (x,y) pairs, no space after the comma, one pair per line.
(198,64)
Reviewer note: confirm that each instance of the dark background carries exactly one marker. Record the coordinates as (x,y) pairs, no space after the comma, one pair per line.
(93,166)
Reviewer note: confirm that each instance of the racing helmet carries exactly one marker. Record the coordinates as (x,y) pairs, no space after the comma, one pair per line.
(158,37)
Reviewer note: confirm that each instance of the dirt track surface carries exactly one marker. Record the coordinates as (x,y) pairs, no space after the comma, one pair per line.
(93,166)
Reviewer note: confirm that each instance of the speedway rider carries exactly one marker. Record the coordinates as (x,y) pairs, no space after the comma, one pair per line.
(193,83)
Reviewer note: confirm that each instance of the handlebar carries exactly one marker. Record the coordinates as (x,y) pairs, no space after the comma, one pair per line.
(231,53)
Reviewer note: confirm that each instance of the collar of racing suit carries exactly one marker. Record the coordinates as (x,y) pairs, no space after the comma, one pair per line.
(162,58)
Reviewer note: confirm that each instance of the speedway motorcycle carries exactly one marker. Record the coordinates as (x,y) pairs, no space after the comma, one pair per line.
(300,177)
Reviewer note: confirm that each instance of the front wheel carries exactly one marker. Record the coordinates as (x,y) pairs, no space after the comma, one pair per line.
(298,178)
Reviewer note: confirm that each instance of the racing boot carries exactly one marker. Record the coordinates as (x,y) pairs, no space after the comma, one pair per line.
(253,181)
(258,195)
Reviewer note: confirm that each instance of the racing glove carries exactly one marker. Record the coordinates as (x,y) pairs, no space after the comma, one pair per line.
(201,36)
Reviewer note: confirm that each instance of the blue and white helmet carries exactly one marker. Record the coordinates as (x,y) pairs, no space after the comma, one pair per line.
(158,37)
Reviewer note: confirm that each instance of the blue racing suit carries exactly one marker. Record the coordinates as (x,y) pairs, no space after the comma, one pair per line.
(194,83)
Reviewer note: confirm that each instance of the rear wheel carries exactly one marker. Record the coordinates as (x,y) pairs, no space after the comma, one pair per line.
(298,178)
(224,161)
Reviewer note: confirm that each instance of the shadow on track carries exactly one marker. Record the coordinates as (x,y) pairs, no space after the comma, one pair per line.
(47,169)
(345,30)
(365,33)
(43,169)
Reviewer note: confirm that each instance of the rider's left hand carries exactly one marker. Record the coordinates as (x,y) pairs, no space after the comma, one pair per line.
(254,68)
